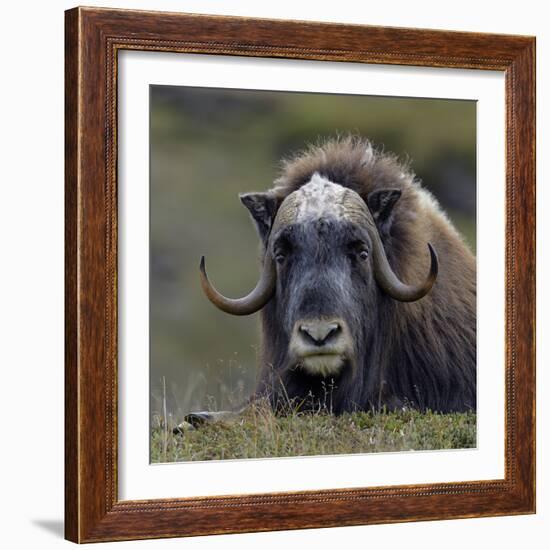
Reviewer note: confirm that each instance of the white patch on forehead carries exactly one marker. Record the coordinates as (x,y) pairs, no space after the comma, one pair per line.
(320,198)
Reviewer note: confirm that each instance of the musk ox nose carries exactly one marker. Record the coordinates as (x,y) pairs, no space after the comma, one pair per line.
(321,346)
(319,332)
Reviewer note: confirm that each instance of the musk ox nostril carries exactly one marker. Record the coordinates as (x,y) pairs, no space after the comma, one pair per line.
(319,332)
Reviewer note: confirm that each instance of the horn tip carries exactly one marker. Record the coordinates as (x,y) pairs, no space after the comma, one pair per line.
(434,259)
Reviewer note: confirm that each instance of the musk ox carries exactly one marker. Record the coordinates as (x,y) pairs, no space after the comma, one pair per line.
(367,291)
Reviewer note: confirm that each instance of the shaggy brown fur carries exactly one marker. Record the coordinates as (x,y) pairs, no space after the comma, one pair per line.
(426,351)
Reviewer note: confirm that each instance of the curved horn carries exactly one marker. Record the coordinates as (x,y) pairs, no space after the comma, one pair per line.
(251,303)
(389,282)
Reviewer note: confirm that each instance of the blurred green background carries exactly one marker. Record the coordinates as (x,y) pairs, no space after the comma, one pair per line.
(207,145)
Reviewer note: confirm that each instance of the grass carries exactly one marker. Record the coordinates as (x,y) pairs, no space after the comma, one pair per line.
(258,433)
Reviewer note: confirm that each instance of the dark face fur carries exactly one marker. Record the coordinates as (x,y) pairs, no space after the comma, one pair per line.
(321,250)
(324,286)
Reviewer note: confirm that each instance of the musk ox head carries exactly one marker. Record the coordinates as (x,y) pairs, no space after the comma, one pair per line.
(324,269)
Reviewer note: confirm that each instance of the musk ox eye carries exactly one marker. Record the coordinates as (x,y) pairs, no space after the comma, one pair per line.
(358,251)
(281,249)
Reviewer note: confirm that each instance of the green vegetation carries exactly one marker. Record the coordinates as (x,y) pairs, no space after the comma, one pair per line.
(258,433)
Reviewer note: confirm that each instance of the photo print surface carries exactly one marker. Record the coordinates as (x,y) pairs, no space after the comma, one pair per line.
(334,311)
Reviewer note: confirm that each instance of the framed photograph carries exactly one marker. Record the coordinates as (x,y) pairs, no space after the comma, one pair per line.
(300,275)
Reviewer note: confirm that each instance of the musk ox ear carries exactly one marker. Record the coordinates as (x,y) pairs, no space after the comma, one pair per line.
(381,203)
(262,207)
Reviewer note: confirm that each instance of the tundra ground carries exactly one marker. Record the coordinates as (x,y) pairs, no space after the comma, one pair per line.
(258,433)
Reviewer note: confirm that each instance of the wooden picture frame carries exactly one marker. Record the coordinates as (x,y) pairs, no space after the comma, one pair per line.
(93,511)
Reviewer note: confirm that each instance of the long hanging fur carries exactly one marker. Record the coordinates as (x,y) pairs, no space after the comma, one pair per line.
(422,354)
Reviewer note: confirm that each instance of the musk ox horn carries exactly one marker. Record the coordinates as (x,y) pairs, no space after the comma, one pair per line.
(251,303)
(389,282)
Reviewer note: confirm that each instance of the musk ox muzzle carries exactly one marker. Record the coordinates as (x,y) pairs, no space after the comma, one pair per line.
(321,347)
